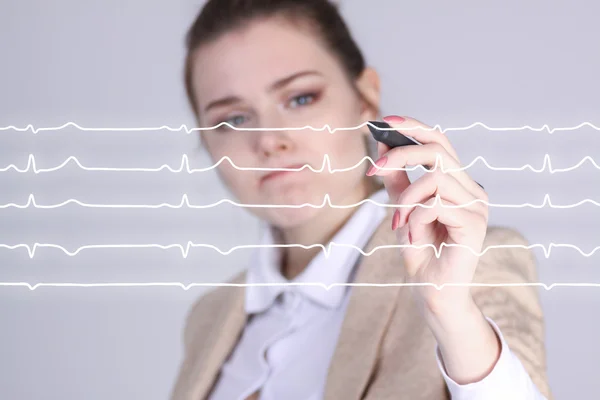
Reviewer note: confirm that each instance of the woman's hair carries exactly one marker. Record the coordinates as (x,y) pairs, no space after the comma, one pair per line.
(218,17)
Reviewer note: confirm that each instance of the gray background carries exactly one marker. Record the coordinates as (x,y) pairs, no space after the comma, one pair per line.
(117,63)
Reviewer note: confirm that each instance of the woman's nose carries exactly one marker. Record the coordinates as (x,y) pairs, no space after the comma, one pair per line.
(270,142)
(274,138)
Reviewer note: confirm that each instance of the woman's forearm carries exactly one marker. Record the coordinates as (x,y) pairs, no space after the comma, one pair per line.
(468,345)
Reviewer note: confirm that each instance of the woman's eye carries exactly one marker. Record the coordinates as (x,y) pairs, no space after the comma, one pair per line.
(236,120)
(302,100)
(233,121)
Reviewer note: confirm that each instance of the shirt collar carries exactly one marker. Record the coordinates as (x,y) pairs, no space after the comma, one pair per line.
(335,268)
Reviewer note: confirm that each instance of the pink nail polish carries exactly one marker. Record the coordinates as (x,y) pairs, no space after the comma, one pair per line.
(394,119)
(395,220)
(379,163)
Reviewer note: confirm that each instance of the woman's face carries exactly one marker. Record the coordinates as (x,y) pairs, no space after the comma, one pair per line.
(275,75)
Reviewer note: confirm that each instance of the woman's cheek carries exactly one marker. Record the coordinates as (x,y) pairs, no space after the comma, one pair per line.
(233,178)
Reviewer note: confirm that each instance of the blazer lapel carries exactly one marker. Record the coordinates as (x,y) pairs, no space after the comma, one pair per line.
(369,311)
(227,323)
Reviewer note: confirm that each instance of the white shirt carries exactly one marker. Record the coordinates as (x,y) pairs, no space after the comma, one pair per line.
(289,340)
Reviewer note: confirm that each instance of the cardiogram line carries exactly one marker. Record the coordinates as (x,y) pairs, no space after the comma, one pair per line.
(326,201)
(326,127)
(326,249)
(288,284)
(185,166)
(547,251)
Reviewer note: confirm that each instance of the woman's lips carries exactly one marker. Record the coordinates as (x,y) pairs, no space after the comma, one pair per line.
(278,174)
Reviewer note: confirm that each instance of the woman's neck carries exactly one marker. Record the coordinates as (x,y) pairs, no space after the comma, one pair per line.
(319,230)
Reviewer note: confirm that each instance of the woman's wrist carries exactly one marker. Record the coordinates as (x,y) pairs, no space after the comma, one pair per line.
(469,346)
(452,312)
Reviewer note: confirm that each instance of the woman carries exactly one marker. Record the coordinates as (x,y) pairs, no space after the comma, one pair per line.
(293,63)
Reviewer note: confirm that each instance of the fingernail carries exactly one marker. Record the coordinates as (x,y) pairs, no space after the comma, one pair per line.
(395,219)
(394,119)
(379,163)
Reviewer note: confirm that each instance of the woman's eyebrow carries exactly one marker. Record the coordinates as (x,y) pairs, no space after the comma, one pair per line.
(225,101)
(230,100)
(284,81)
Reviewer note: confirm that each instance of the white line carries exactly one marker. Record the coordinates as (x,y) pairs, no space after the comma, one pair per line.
(325,127)
(326,249)
(326,287)
(184,166)
(326,201)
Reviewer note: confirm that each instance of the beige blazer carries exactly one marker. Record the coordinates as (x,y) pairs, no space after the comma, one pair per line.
(385,349)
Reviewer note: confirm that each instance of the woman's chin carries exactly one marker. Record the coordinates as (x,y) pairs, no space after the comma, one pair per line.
(307,195)
(287,218)
(292,205)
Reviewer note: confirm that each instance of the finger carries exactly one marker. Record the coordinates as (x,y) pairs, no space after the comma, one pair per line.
(395,182)
(426,155)
(420,132)
(431,154)
(425,134)
(450,191)
(382,148)
(463,226)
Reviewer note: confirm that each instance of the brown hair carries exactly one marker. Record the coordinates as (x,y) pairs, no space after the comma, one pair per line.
(221,16)
(218,17)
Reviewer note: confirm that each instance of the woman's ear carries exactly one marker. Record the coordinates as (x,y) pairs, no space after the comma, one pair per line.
(368,85)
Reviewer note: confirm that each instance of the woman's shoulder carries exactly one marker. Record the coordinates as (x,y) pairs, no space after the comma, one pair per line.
(216,301)
(506,249)
(505,240)
(504,233)
(218,296)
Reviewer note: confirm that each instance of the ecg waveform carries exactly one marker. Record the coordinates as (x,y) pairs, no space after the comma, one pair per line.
(325,127)
(326,201)
(317,284)
(185,250)
(326,166)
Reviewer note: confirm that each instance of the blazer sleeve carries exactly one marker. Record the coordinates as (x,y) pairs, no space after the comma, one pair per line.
(516,310)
